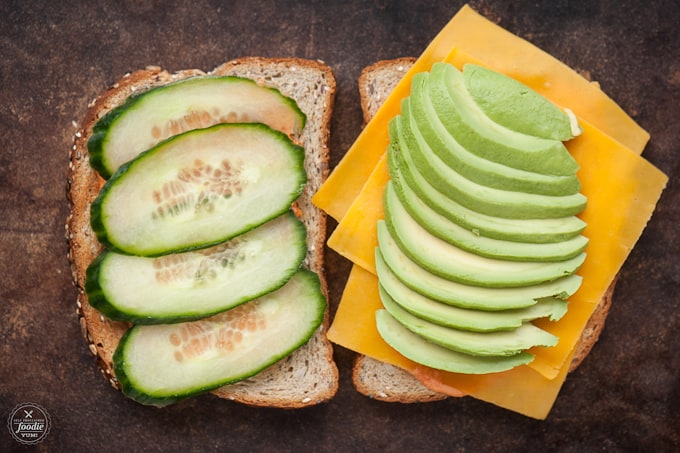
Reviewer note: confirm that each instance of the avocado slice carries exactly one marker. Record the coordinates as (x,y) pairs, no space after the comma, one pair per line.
(462,318)
(480,235)
(411,185)
(440,227)
(449,262)
(483,199)
(479,134)
(429,354)
(516,106)
(468,296)
(496,343)
(425,134)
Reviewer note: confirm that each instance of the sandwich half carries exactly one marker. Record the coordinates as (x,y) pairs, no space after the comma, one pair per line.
(430,209)
(308,375)
(386,382)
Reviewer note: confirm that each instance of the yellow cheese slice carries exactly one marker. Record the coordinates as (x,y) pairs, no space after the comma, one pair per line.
(348,177)
(355,237)
(622,190)
(477,40)
(353,324)
(521,389)
(500,50)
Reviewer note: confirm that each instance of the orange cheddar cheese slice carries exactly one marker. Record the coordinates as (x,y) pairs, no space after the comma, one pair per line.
(500,50)
(354,324)
(622,190)
(521,389)
(355,237)
(478,40)
(353,170)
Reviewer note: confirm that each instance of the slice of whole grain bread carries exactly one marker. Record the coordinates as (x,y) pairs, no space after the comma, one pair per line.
(309,375)
(386,382)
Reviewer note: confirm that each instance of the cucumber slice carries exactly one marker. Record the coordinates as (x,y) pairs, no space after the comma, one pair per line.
(159,365)
(198,189)
(145,120)
(192,285)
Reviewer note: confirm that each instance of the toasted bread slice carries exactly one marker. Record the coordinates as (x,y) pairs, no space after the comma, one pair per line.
(386,382)
(309,375)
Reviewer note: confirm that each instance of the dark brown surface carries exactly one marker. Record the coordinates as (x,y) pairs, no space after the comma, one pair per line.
(56,56)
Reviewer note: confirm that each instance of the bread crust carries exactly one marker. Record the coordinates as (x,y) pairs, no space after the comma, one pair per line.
(382,381)
(312,85)
(377,81)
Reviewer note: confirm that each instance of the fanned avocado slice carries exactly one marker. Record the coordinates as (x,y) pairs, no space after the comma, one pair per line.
(478,133)
(483,199)
(428,139)
(516,106)
(480,235)
(463,318)
(409,218)
(469,296)
(464,267)
(487,344)
(411,185)
(416,348)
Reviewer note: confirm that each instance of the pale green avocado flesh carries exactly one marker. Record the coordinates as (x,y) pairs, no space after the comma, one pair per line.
(495,343)
(469,296)
(463,318)
(400,218)
(427,136)
(416,348)
(481,234)
(479,134)
(455,264)
(516,106)
(484,199)
(411,185)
